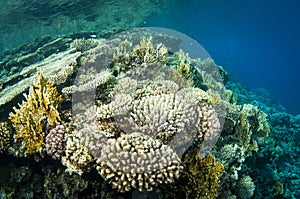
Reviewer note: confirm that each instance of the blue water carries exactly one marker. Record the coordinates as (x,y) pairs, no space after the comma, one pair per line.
(256,41)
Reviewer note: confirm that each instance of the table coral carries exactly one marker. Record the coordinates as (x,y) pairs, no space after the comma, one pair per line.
(57,68)
(34,114)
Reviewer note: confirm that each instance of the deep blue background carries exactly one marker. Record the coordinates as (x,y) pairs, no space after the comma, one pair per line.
(256,41)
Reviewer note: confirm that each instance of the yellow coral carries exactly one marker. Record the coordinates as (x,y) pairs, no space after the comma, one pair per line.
(203,176)
(39,109)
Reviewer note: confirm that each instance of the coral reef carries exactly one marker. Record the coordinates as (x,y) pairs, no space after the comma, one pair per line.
(275,166)
(136,116)
(34,114)
(138,161)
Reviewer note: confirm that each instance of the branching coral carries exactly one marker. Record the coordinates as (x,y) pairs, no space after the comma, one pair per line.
(145,52)
(138,161)
(162,111)
(77,158)
(34,114)
(56,141)
(181,72)
(83,45)
(141,56)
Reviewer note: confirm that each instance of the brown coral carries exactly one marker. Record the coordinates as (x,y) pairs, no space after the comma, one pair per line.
(39,110)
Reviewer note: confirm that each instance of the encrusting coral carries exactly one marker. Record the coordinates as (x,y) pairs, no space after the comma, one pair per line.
(39,110)
(138,161)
